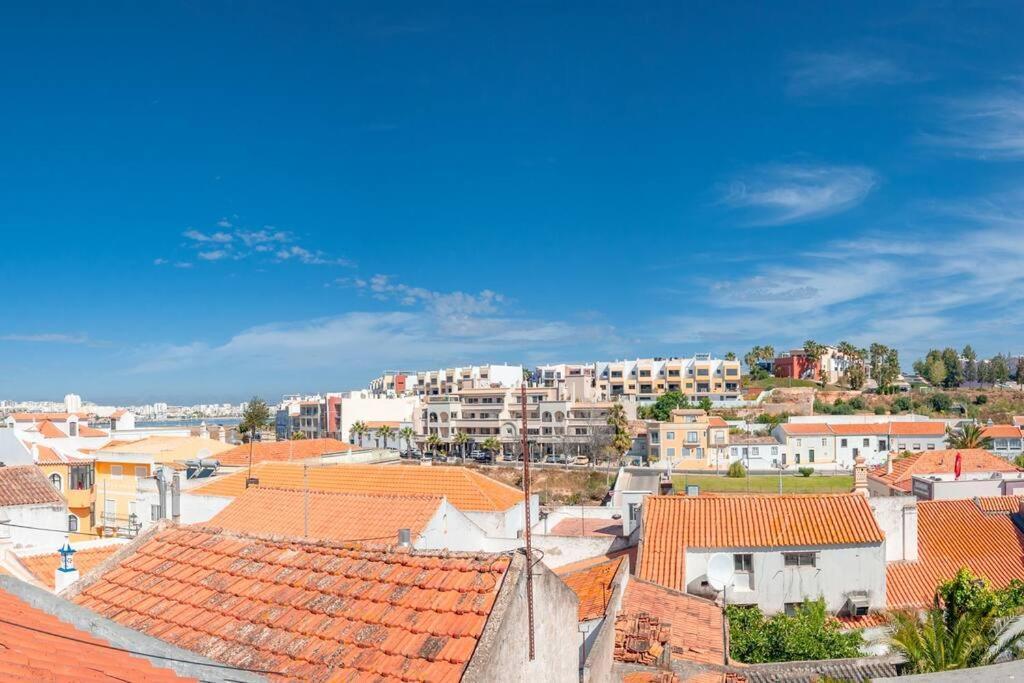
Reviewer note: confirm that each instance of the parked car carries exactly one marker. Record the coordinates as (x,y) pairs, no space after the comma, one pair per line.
(581,460)
(480,456)
(452,459)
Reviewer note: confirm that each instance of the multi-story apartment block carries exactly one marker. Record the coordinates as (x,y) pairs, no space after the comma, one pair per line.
(446,380)
(647,378)
(556,423)
(691,439)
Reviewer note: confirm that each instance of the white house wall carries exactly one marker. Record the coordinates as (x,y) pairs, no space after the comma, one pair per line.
(450,529)
(39,517)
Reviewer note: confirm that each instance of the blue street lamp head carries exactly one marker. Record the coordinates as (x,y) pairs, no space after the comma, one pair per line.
(67,563)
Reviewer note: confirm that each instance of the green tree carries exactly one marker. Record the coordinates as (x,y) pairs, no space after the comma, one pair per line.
(357,431)
(902,404)
(434,442)
(408,434)
(941,402)
(855,376)
(1000,368)
(385,432)
(661,409)
(255,416)
(736,470)
(730,356)
(705,404)
(968,436)
(810,634)
(461,439)
(297,435)
(888,370)
(954,370)
(492,446)
(622,440)
(970,364)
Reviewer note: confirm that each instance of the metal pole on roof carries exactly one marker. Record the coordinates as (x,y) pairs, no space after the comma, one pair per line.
(526,532)
(305,501)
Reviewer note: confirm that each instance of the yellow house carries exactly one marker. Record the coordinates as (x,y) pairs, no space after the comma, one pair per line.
(74,478)
(691,439)
(124,471)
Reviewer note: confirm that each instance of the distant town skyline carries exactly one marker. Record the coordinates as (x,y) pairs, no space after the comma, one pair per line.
(269,199)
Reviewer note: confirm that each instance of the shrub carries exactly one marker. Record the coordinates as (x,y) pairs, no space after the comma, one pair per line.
(809,634)
(902,404)
(736,470)
(980,400)
(806,471)
(857,402)
(1019,461)
(879,410)
(844,409)
(941,402)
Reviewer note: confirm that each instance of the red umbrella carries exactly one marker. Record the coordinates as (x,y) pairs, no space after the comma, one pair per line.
(956,465)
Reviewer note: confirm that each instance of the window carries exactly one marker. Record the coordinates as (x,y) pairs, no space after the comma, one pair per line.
(842,442)
(931,447)
(792,608)
(670,435)
(800,559)
(882,443)
(154,512)
(775,451)
(810,455)
(72,523)
(917,446)
(55,480)
(691,437)
(743,564)
(141,471)
(634,509)
(798,442)
(824,443)
(670,452)
(116,471)
(867,442)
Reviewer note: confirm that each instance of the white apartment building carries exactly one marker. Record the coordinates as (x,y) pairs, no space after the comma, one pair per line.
(835,445)
(446,380)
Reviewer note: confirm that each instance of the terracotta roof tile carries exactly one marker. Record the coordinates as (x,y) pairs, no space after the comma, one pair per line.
(587,527)
(50,430)
(1002,432)
(925,428)
(673,523)
(39,417)
(592,586)
(695,625)
(938,462)
(465,489)
(43,566)
(654,677)
(310,611)
(37,646)
(1000,504)
(50,456)
(929,428)
(282,451)
(802,428)
(377,424)
(87,431)
(953,534)
(716,421)
(26,485)
(331,516)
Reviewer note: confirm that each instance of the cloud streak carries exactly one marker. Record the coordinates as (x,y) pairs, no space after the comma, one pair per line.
(46,338)
(987,125)
(232,243)
(815,72)
(789,193)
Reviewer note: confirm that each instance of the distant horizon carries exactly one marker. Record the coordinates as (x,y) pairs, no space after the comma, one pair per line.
(307,195)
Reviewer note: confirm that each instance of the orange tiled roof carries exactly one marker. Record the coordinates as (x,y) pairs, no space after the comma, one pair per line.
(281,451)
(938,462)
(464,488)
(39,417)
(1001,431)
(696,625)
(86,559)
(331,516)
(1000,504)
(1018,420)
(929,428)
(952,534)
(593,586)
(38,646)
(673,523)
(802,428)
(86,430)
(311,611)
(26,485)
(50,430)
(716,421)
(50,456)
(377,424)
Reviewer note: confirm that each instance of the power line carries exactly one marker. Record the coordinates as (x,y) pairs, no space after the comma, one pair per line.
(138,653)
(56,531)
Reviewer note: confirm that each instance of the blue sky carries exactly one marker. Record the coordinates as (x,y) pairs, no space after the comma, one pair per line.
(205,200)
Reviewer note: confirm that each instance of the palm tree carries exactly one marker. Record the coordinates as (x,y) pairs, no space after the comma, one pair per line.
(385,432)
(297,435)
(358,429)
(407,433)
(492,446)
(968,436)
(622,441)
(461,439)
(434,442)
(937,643)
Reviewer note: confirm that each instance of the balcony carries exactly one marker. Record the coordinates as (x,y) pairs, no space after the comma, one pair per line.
(80,498)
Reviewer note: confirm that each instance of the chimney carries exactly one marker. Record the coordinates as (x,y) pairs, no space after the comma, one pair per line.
(860,476)
(161,489)
(404,538)
(66,574)
(176,498)
(204,431)
(888,464)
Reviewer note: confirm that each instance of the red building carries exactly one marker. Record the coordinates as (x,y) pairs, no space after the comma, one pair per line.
(796,365)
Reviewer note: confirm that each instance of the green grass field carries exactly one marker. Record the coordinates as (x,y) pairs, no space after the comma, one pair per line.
(766,483)
(772,382)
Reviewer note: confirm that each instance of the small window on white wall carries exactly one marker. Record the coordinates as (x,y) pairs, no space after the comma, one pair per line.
(116,471)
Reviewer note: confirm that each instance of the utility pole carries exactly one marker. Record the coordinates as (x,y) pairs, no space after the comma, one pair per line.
(526,507)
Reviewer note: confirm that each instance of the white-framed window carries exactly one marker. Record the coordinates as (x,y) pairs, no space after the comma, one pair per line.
(116,471)
(670,435)
(917,446)
(743,563)
(931,447)
(72,523)
(775,451)
(791,608)
(691,437)
(824,442)
(798,442)
(810,455)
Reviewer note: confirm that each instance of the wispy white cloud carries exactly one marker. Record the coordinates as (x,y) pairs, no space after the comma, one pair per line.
(213,255)
(237,243)
(987,125)
(814,72)
(303,255)
(444,304)
(197,236)
(160,262)
(46,338)
(788,193)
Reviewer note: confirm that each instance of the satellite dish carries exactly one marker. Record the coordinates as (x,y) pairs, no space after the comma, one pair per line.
(720,571)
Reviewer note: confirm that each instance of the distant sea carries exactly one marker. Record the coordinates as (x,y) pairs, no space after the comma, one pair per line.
(190,422)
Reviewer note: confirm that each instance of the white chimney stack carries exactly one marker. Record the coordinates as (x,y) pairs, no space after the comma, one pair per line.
(66,574)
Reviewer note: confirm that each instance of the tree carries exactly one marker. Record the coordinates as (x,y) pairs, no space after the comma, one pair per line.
(622,440)
(810,634)
(461,439)
(736,470)
(297,435)
(255,416)
(968,436)
(970,364)
(408,434)
(1000,368)
(357,431)
(705,404)
(385,432)
(730,356)
(855,376)
(885,367)
(434,442)
(902,404)
(492,446)
(954,370)
(941,402)
(661,409)
(969,626)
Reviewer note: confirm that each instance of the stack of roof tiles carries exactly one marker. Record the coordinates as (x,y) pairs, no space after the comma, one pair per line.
(953,534)
(36,646)
(641,638)
(674,523)
(282,451)
(696,625)
(465,489)
(310,611)
(938,462)
(327,516)
(26,485)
